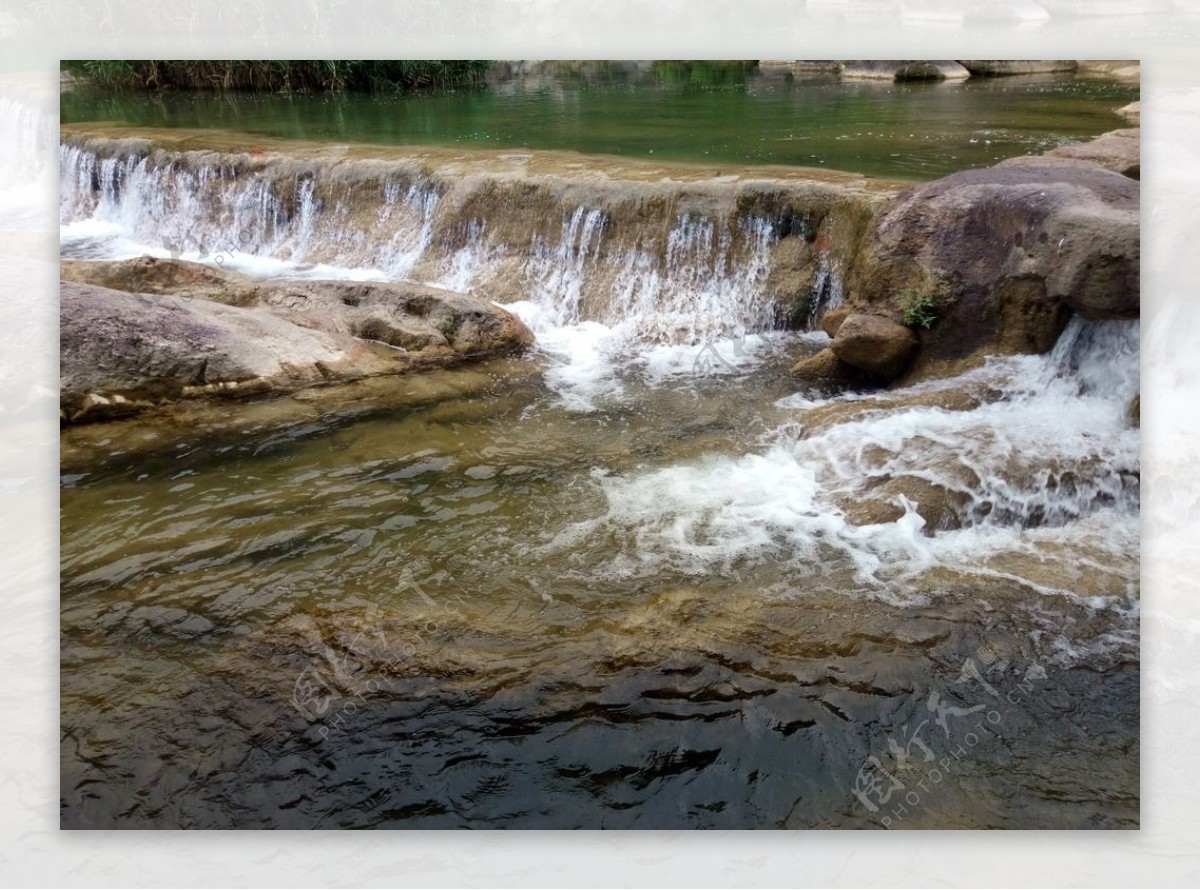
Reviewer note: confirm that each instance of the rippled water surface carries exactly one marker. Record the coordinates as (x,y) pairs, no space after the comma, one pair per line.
(489,610)
(638,578)
(679,112)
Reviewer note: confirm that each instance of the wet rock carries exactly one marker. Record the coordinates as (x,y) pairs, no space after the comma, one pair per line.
(874,344)
(1006,67)
(911,69)
(1135,410)
(832,320)
(153,275)
(1008,251)
(124,352)
(408,316)
(1119,69)
(942,508)
(1118,150)
(118,348)
(1131,112)
(826,367)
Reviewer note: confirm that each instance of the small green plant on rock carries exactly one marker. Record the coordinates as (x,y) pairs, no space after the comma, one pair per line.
(919,304)
(449,325)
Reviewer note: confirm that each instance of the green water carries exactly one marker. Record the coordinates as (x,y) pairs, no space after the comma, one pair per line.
(727,113)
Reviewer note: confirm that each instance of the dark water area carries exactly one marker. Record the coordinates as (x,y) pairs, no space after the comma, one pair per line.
(692,112)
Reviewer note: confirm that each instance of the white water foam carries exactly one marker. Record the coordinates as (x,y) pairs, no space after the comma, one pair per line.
(1047,471)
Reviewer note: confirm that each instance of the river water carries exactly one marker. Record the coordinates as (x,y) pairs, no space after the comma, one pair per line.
(696,112)
(618,583)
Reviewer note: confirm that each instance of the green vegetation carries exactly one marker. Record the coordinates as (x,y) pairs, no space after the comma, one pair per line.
(449,325)
(920,304)
(276,76)
(919,311)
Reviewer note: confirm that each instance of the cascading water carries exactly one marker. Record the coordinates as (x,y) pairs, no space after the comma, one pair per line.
(595,300)
(658,592)
(1039,466)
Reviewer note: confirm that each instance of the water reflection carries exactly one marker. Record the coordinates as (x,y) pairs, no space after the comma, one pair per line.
(682,111)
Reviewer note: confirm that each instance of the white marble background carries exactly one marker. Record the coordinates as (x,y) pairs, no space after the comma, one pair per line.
(35,34)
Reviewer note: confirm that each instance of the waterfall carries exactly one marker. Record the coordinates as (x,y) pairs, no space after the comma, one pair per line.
(663,276)
(29,133)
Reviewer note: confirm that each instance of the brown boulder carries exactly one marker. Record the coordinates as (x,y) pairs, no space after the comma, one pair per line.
(153,275)
(203,331)
(874,344)
(1010,250)
(833,318)
(122,352)
(825,367)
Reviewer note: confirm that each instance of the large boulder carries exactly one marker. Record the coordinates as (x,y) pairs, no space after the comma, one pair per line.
(877,345)
(997,258)
(207,332)
(121,352)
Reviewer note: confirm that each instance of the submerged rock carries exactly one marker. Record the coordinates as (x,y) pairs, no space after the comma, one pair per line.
(941,507)
(874,344)
(226,334)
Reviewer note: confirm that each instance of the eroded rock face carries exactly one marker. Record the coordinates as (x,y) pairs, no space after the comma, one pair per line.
(874,344)
(1012,250)
(207,332)
(1119,151)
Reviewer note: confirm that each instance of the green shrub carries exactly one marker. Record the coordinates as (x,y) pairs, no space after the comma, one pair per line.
(920,305)
(449,325)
